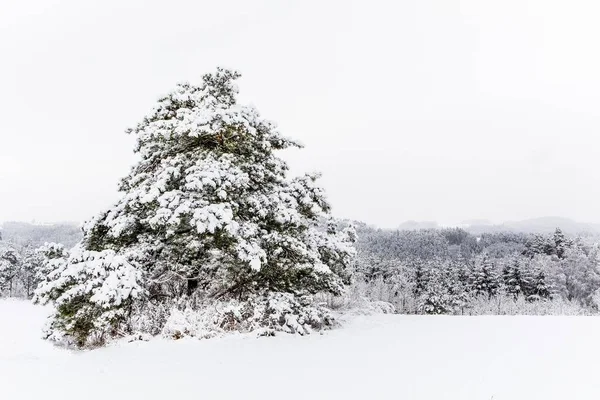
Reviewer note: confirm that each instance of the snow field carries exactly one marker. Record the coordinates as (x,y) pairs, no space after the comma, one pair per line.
(371,357)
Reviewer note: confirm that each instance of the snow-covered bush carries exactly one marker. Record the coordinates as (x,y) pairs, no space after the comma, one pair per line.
(93,293)
(275,312)
(361,298)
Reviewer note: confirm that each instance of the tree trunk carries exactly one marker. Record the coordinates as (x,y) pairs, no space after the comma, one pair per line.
(192,285)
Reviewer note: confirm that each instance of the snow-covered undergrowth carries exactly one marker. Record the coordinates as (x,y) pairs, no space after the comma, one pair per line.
(375,357)
(277,312)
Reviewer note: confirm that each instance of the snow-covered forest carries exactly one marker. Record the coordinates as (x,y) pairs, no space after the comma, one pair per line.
(451,271)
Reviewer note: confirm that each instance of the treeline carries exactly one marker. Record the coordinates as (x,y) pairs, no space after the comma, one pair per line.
(450,271)
(23,234)
(21,269)
(434,271)
(23,247)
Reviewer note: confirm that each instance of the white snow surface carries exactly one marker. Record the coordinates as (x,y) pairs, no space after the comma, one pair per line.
(371,357)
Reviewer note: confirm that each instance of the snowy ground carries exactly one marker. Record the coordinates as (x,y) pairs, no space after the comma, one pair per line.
(378,357)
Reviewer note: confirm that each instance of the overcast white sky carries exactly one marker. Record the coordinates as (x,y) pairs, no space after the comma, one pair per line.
(427,110)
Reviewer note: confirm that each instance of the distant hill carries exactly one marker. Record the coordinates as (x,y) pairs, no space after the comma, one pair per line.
(28,234)
(415,225)
(538,225)
(476,222)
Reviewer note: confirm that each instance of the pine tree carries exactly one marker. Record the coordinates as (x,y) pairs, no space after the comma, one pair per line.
(514,281)
(443,292)
(556,244)
(208,211)
(464,274)
(9,269)
(485,280)
(462,289)
(29,274)
(420,279)
(561,243)
(436,298)
(539,287)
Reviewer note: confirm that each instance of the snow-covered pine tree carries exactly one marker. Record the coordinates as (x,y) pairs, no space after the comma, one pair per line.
(561,243)
(556,244)
(538,286)
(457,277)
(485,279)
(513,279)
(208,212)
(444,293)
(419,279)
(464,273)
(9,269)
(29,274)
(435,298)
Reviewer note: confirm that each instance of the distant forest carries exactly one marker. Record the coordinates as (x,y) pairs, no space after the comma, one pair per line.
(35,235)
(453,271)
